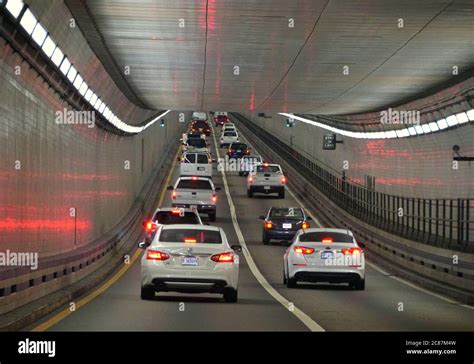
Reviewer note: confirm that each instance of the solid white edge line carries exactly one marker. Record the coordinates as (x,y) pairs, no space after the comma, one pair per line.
(303,317)
(382,271)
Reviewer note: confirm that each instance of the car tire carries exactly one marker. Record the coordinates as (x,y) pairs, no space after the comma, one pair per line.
(359,285)
(291,282)
(147,293)
(281,194)
(265,239)
(212,217)
(230,295)
(249,194)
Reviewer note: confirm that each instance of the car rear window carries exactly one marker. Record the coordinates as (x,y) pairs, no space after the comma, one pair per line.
(191,236)
(222,116)
(197,143)
(268,169)
(199,184)
(190,158)
(201,124)
(292,213)
(202,159)
(174,217)
(320,236)
(230,133)
(238,146)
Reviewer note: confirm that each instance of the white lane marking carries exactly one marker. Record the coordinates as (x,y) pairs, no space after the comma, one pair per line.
(303,317)
(382,271)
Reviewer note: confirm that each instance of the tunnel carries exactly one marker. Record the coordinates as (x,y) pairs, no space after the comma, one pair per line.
(363,110)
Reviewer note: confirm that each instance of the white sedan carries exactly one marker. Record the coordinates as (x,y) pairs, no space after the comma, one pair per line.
(324,255)
(190,259)
(228,137)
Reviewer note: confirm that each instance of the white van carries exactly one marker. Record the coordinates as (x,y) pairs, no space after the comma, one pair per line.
(196,164)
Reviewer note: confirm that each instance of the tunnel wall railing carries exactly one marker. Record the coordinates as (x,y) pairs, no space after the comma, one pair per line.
(445,223)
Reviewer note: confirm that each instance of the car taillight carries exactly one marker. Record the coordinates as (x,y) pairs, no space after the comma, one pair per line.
(156,255)
(303,250)
(247,151)
(351,251)
(326,240)
(214,197)
(268,225)
(173,195)
(150,226)
(305,225)
(250,179)
(223,257)
(283,180)
(194,178)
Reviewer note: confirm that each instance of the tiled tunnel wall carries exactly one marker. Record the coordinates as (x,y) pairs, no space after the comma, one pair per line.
(46,169)
(416,167)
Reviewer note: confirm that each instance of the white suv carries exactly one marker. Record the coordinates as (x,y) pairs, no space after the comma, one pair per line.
(195,192)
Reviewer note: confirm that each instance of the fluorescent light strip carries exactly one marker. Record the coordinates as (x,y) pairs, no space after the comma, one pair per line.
(15,7)
(434,126)
(39,35)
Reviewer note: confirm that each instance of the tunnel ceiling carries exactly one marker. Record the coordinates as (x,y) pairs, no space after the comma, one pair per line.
(281,68)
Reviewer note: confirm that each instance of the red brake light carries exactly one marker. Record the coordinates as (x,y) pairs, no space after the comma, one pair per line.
(194,178)
(268,225)
(250,178)
(223,257)
(265,164)
(283,179)
(351,251)
(173,195)
(303,250)
(190,240)
(214,197)
(305,225)
(327,240)
(156,255)
(150,226)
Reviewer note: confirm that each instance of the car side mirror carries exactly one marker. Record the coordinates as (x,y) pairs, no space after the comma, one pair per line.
(236,248)
(143,245)
(309,218)
(170,188)
(218,188)
(261,217)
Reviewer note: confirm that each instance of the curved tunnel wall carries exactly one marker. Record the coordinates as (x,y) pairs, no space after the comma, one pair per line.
(417,167)
(47,169)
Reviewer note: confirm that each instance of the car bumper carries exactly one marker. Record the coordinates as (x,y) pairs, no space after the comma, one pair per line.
(186,281)
(201,208)
(308,274)
(261,189)
(280,234)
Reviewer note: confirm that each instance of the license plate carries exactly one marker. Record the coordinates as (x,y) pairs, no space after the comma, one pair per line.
(190,261)
(286,226)
(266,187)
(326,255)
(201,168)
(239,151)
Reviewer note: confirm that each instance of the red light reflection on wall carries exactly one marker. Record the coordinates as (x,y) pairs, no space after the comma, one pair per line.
(63,224)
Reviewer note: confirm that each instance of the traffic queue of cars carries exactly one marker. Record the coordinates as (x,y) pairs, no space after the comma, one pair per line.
(183,254)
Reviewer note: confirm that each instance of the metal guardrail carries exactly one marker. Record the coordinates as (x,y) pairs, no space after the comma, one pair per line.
(445,223)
